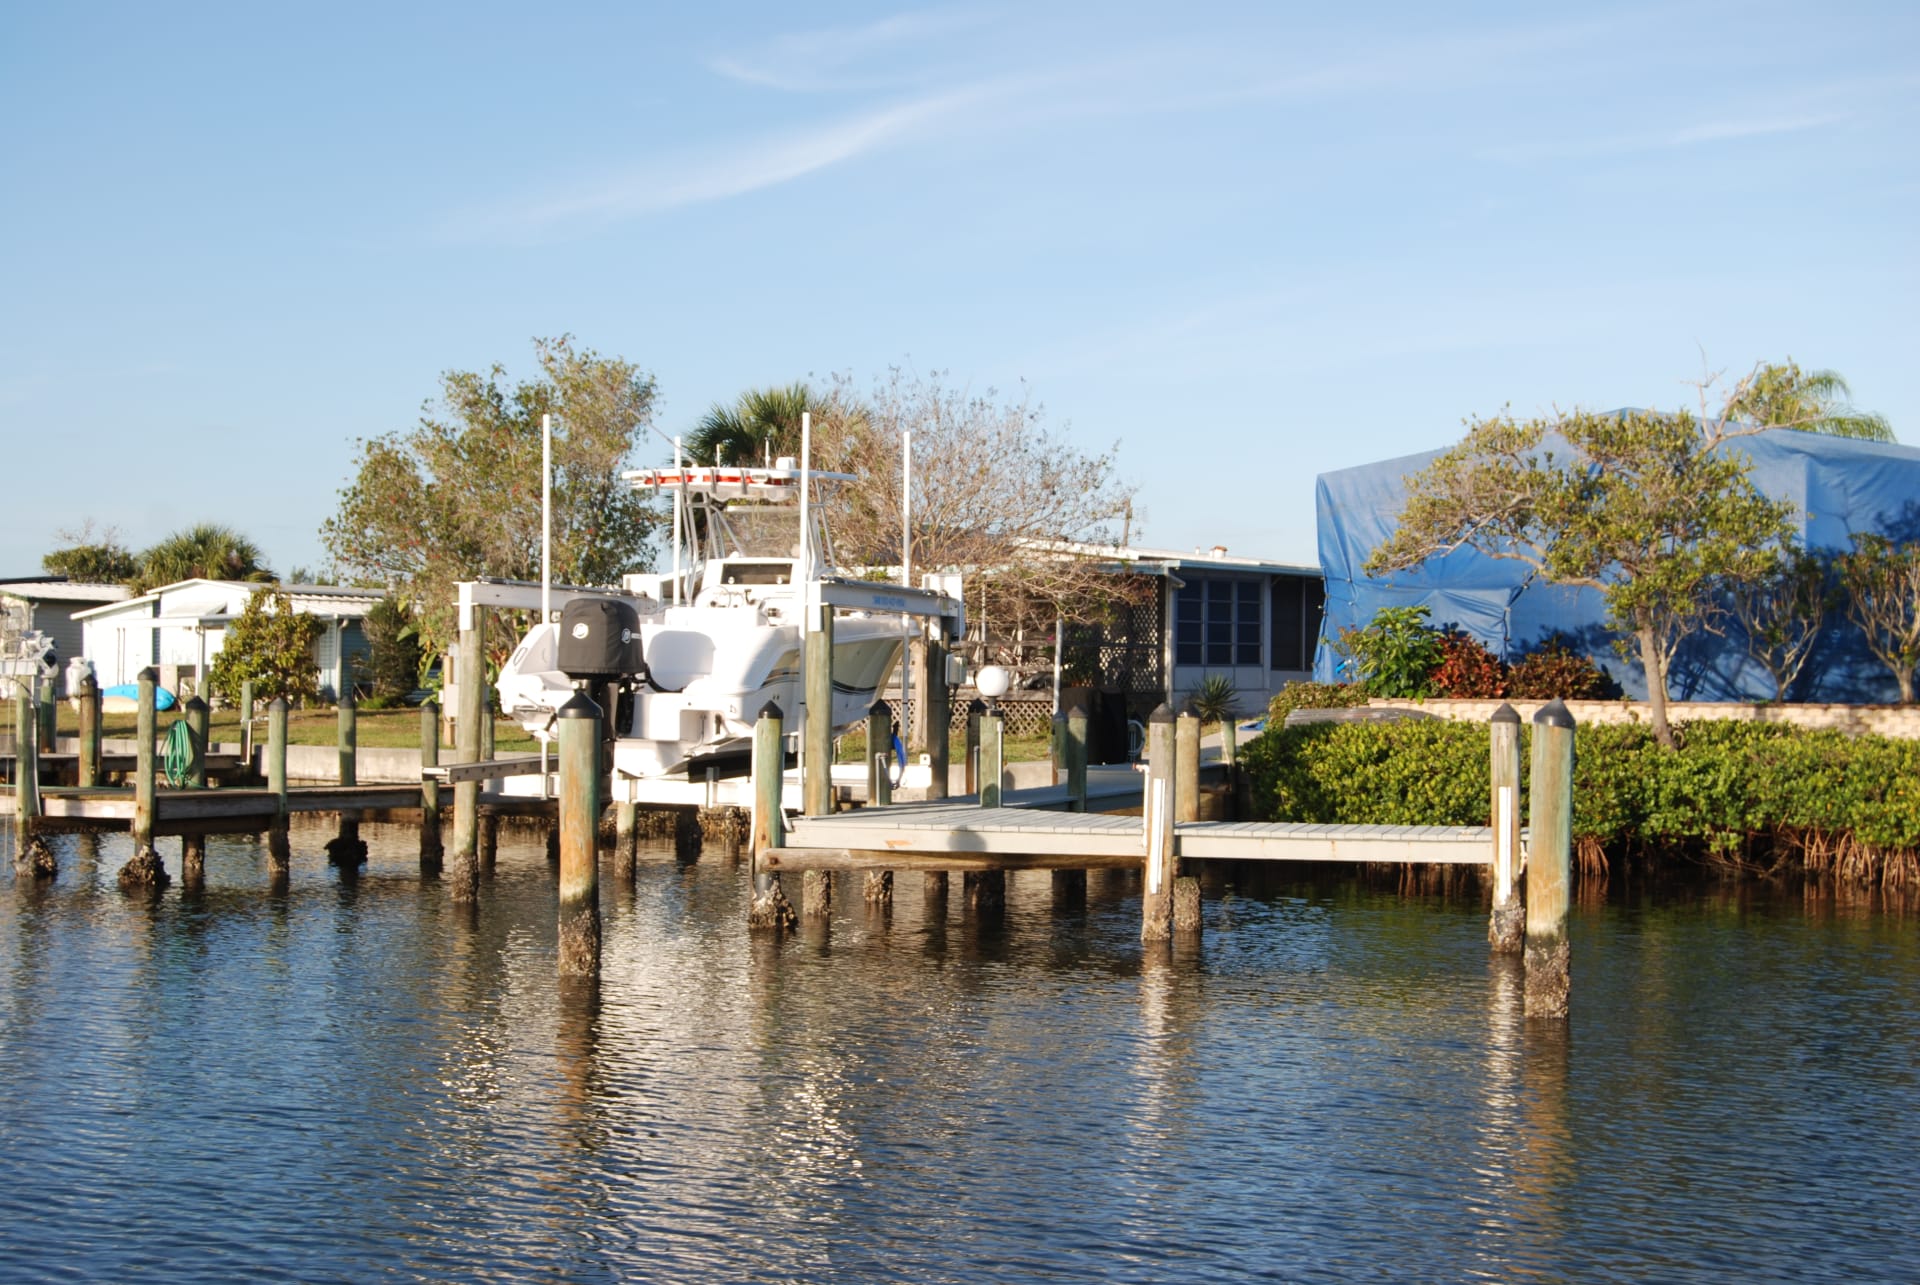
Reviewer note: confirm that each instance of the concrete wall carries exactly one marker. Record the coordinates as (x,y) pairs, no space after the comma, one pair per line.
(1881,720)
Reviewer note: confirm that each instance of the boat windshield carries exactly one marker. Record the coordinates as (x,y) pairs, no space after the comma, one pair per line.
(756,531)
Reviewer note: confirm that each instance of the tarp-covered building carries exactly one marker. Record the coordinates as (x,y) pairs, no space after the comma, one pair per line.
(1839,487)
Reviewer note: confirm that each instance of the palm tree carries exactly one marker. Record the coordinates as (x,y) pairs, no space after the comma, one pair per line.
(204,551)
(762,422)
(1815,401)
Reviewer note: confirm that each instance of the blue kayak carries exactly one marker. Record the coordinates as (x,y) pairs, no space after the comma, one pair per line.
(162,698)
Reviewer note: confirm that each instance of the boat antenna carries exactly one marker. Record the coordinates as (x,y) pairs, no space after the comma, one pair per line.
(679,500)
(546,519)
(906,578)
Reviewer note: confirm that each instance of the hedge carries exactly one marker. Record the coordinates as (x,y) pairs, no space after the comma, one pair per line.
(1757,796)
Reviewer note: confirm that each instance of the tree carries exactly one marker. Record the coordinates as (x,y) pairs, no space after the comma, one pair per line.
(1780,611)
(458,496)
(1653,510)
(1816,401)
(393,653)
(206,550)
(271,645)
(1882,581)
(90,557)
(762,423)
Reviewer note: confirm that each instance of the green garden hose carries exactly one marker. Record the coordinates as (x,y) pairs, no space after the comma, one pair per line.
(178,756)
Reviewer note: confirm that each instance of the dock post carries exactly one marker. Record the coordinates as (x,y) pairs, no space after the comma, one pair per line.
(976,714)
(1156,897)
(770,907)
(463,877)
(89,731)
(199,718)
(939,712)
(349,738)
(1077,758)
(31,855)
(1549,862)
(193,862)
(626,839)
(246,723)
(47,711)
(1508,923)
(143,869)
(816,786)
(430,849)
(487,729)
(879,750)
(993,754)
(1186,768)
(579,926)
(276,765)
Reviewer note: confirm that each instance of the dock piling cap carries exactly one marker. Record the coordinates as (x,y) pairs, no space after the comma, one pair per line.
(1162,714)
(1554,714)
(1505,714)
(770,710)
(580,706)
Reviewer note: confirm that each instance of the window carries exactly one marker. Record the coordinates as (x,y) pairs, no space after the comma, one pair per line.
(1297,605)
(1217,622)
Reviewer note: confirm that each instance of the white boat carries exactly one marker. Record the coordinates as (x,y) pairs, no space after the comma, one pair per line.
(688,658)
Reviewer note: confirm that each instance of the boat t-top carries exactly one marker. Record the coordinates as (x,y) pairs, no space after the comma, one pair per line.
(687,658)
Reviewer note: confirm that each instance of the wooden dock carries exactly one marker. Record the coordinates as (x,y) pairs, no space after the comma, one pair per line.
(961,835)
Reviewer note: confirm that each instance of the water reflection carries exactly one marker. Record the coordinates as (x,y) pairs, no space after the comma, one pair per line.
(1337,1083)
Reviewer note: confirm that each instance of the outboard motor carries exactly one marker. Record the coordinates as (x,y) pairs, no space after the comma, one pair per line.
(600,640)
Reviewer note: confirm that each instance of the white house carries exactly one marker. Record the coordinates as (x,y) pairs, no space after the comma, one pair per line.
(178,628)
(51,605)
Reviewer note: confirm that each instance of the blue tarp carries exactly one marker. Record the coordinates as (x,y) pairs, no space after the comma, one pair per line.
(1840,486)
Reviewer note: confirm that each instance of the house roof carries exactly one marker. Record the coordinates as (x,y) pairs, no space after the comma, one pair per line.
(62,591)
(1161,561)
(340,600)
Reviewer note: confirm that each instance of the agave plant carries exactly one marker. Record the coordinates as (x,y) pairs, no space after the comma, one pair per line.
(1216,701)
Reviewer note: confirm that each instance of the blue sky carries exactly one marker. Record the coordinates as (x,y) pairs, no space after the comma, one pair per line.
(1250,243)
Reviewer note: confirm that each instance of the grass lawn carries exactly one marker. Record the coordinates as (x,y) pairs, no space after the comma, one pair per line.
(374,728)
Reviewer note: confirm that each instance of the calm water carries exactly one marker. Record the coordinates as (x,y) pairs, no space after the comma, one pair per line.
(355,1079)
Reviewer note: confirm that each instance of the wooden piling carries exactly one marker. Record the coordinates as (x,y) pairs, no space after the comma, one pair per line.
(193,862)
(1507,925)
(199,720)
(146,778)
(48,712)
(1077,759)
(985,891)
(278,849)
(348,739)
(143,871)
(993,767)
(933,896)
(1186,768)
(246,722)
(770,908)
(1549,862)
(939,711)
(463,872)
(877,890)
(976,715)
(277,755)
(879,751)
(32,855)
(486,844)
(816,894)
(89,714)
(816,785)
(579,927)
(1156,896)
(626,840)
(430,846)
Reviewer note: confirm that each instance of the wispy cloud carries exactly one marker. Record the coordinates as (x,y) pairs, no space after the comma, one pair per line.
(843,57)
(1703,134)
(729,170)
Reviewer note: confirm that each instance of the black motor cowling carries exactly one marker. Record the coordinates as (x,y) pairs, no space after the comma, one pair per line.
(600,639)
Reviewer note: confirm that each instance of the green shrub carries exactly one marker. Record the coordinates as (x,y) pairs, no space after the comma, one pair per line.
(393,653)
(1396,653)
(271,645)
(1313,696)
(1759,795)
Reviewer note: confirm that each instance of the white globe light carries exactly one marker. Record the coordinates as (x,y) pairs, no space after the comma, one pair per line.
(992,681)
